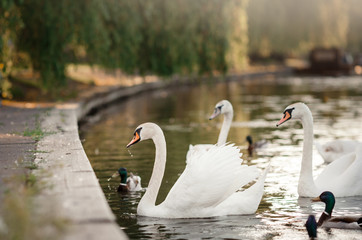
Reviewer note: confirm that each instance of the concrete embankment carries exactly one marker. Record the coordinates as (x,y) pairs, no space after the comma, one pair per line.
(74,191)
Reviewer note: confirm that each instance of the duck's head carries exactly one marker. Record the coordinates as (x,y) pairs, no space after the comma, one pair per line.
(249,139)
(311,226)
(294,111)
(222,107)
(122,172)
(328,198)
(145,131)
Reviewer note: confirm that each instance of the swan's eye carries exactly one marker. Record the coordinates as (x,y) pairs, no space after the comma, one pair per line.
(137,134)
(288,111)
(138,130)
(287,115)
(136,137)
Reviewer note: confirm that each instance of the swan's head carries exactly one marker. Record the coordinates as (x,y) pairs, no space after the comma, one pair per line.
(145,131)
(328,198)
(222,107)
(294,111)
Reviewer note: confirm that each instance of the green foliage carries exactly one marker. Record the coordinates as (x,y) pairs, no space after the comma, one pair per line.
(10,24)
(49,28)
(146,37)
(166,37)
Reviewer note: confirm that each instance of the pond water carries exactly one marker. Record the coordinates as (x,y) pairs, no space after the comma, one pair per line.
(182,112)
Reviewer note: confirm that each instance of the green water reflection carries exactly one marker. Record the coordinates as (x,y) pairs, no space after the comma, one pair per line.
(182,112)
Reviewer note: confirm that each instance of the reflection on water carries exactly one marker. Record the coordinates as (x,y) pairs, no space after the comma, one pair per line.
(182,113)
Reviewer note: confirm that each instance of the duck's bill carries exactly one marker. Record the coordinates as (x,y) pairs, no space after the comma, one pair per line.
(317,199)
(136,138)
(215,114)
(116,174)
(285,118)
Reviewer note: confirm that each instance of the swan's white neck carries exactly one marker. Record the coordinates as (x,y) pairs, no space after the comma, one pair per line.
(149,198)
(228,118)
(306,185)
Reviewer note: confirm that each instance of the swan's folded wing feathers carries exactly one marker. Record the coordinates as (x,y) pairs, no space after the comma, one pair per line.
(335,168)
(343,176)
(333,150)
(246,201)
(210,179)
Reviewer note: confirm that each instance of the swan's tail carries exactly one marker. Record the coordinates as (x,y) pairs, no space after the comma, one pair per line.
(256,191)
(247,201)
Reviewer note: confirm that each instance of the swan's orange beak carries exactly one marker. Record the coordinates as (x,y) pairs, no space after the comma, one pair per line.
(285,118)
(136,138)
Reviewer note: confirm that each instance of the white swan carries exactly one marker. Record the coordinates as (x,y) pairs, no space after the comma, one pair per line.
(223,107)
(206,188)
(335,149)
(342,177)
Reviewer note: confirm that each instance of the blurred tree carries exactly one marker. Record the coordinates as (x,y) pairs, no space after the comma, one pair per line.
(51,28)
(10,24)
(334,21)
(294,27)
(354,38)
(147,37)
(237,36)
(169,37)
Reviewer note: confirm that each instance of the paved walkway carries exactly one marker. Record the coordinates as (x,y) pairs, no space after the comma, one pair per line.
(73,192)
(16,149)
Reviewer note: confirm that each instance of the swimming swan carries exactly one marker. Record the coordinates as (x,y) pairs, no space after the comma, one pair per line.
(223,107)
(206,188)
(335,149)
(343,176)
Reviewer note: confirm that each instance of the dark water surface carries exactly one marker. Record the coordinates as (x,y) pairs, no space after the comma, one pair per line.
(182,112)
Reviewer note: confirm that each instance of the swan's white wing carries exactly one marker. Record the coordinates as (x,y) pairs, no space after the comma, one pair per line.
(343,176)
(335,169)
(196,150)
(333,150)
(245,202)
(210,179)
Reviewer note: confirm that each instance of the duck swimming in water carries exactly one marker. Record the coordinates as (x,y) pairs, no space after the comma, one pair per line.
(326,219)
(311,226)
(127,184)
(254,145)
